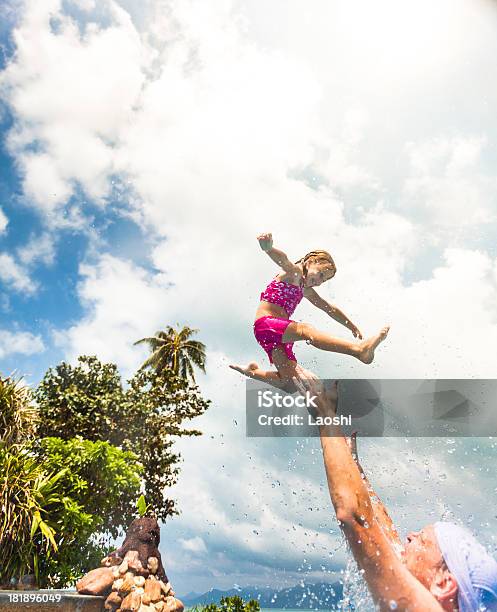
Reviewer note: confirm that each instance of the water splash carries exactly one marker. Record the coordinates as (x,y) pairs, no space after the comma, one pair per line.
(356,597)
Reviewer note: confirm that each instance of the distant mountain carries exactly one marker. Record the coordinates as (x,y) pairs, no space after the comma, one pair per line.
(191,595)
(319,596)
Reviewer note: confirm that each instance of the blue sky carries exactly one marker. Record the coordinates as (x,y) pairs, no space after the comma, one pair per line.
(145,144)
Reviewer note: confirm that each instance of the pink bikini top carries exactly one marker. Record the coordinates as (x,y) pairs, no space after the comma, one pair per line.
(283,294)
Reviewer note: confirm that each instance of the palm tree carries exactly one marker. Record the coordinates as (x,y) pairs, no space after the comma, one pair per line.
(173,349)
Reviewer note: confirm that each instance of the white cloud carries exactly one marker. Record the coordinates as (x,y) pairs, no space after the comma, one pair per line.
(195,545)
(40,248)
(123,303)
(264,96)
(19,342)
(14,275)
(447,184)
(440,322)
(3,221)
(85,5)
(71,93)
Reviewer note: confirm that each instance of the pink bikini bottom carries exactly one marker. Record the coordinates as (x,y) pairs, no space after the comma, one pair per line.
(269,332)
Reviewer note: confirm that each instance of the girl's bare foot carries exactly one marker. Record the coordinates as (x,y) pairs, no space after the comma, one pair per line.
(368,346)
(247,370)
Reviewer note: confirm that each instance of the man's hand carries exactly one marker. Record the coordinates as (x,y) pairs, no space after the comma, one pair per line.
(265,242)
(326,392)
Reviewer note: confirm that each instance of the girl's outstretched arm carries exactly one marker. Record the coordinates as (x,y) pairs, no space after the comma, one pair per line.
(331,310)
(279,257)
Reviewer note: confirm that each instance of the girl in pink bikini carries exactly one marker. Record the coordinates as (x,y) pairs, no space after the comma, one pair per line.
(276,332)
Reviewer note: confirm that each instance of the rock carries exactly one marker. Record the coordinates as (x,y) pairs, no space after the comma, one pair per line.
(113,601)
(145,599)
(165,587)
(96,582)
(173,605)
(153,590)
(180,606)
(135,564)
(153,565)
(139,581)
(133,577)
(111,561)
(128,583)
(131,603)
(143,536)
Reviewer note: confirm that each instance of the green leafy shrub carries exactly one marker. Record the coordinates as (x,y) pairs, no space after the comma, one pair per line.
(56,522)
(89,400)
(230,604)
(102,478)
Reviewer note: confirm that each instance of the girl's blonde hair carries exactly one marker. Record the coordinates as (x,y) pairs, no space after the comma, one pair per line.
(317,257)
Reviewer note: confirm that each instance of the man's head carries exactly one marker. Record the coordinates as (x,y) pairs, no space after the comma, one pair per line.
(454,566)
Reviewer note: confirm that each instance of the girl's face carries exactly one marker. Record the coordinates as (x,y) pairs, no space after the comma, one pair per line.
(318,273)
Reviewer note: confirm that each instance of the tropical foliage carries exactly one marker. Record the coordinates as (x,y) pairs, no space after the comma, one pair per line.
(230,604)
(89,400)
(52,516)
(99,486)
(31,507)
(175,350)
(61,499)
(77,453)
(17,413)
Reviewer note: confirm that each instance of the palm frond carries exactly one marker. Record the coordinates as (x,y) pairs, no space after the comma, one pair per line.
(147,340)
(174,349)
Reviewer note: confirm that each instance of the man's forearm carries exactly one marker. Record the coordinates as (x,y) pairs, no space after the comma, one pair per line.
(347,489)
(380,512)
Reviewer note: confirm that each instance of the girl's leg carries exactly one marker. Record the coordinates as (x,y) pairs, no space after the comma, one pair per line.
(270,377)
(282,378)
(287,369)
(364,351)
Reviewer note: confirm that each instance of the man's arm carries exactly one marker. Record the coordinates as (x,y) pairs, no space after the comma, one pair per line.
(331,310)
(387,577)
(279,257)
(380,512)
